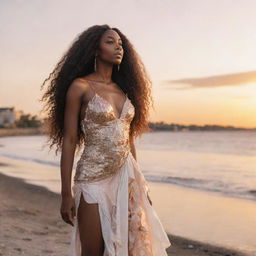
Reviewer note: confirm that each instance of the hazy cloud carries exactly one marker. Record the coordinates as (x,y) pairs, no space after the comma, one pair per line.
(234,79)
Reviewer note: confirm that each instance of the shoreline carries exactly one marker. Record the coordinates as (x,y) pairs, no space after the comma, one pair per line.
(30,222)
(4,132)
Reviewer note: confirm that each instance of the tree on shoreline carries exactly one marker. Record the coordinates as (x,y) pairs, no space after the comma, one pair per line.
(28,120)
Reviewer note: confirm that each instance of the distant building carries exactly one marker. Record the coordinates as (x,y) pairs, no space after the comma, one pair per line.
(8,116)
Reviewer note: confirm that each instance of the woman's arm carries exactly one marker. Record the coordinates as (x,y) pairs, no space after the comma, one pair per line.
(72,110)
(71,115)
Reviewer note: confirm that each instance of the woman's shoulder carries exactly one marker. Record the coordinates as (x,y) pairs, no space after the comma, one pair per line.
(80,84)
(83,87)
(80,81)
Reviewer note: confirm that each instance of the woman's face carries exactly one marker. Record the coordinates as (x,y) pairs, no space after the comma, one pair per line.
(110,48)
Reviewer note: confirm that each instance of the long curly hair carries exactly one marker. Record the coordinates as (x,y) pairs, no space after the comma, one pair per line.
(77,62)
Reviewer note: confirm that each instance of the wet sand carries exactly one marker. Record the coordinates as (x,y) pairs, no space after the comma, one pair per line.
(31,223)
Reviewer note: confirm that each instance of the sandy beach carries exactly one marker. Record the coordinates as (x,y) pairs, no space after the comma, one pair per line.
(31,223)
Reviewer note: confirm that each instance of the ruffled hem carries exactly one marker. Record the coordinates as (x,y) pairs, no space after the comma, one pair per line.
(123,197)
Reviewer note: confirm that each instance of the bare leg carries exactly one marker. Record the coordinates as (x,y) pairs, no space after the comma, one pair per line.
(92,243)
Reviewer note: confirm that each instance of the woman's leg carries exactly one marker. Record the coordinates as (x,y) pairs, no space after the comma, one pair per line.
(92,243)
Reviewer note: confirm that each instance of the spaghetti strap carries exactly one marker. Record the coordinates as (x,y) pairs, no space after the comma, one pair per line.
(124,93)
(89,83)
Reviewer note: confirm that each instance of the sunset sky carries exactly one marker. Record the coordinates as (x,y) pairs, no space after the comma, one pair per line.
(200,54)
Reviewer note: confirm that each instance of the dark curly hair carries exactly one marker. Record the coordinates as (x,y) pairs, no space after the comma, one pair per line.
(77,62)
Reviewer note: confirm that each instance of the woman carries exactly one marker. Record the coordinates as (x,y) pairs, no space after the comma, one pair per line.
(99,97)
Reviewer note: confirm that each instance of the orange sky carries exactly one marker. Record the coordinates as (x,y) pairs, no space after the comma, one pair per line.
(200,54)
(227,99)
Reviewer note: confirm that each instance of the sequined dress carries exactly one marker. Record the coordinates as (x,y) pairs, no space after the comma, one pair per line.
(108,174)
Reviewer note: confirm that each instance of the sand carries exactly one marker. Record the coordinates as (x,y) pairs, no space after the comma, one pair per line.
(31,224)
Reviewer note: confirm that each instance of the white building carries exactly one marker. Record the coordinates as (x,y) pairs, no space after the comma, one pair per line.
(8,116)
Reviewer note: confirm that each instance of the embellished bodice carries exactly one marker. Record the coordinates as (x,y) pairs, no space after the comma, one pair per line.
(106,139)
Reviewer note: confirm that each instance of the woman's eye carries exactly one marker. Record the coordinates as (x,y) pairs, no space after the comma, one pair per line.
(112,42)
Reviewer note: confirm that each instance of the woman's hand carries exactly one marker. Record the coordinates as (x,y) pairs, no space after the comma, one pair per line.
(149,199)
(67,209)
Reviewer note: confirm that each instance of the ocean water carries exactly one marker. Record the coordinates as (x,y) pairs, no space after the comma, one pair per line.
(217,162)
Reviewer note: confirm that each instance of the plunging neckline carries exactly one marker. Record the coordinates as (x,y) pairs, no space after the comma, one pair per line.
(122,110)
(106,101)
